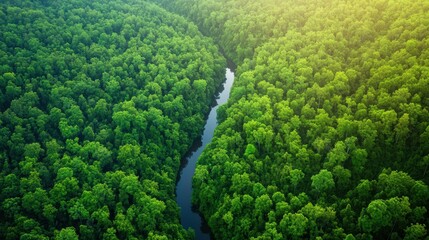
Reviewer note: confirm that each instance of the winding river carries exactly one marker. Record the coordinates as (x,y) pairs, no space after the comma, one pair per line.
(189,217)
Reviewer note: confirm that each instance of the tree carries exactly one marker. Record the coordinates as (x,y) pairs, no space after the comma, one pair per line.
(229,219)
(263,205)
(34,201)
(110,234)
(49,212)
(294,225)
(323,181)
(415,231)
(123,225)
(296,175)
(101,218)
(375,216)
(33,150)
(68,233)
(129,156)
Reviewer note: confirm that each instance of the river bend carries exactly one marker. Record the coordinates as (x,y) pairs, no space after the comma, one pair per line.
(188,216)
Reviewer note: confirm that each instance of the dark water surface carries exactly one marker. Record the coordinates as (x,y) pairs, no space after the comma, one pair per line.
(188,216)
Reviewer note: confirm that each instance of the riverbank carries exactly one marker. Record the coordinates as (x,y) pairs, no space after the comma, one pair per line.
(189,217)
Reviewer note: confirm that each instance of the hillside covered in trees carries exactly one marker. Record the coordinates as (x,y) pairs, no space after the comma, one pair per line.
(99,100)
(326,134)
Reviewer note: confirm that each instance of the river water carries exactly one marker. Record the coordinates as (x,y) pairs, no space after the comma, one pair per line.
(189,217)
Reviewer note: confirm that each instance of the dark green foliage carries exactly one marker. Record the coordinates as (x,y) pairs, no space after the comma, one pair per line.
(329,108)
(99,101)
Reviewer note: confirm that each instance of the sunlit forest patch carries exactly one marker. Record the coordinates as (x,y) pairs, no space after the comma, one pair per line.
(326,134)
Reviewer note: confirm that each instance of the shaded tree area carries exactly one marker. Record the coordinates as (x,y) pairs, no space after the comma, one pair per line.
(99,100)
(326,132)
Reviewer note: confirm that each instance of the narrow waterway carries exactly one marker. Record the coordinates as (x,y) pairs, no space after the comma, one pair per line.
(188,216)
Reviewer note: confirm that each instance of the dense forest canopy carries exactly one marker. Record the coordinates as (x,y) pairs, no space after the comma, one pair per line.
(326,134)
(99,100)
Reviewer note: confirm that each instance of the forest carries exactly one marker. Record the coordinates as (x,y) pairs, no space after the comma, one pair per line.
(326,133)
(99,100)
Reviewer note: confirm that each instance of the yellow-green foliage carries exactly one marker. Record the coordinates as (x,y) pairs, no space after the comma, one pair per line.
(329,110)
